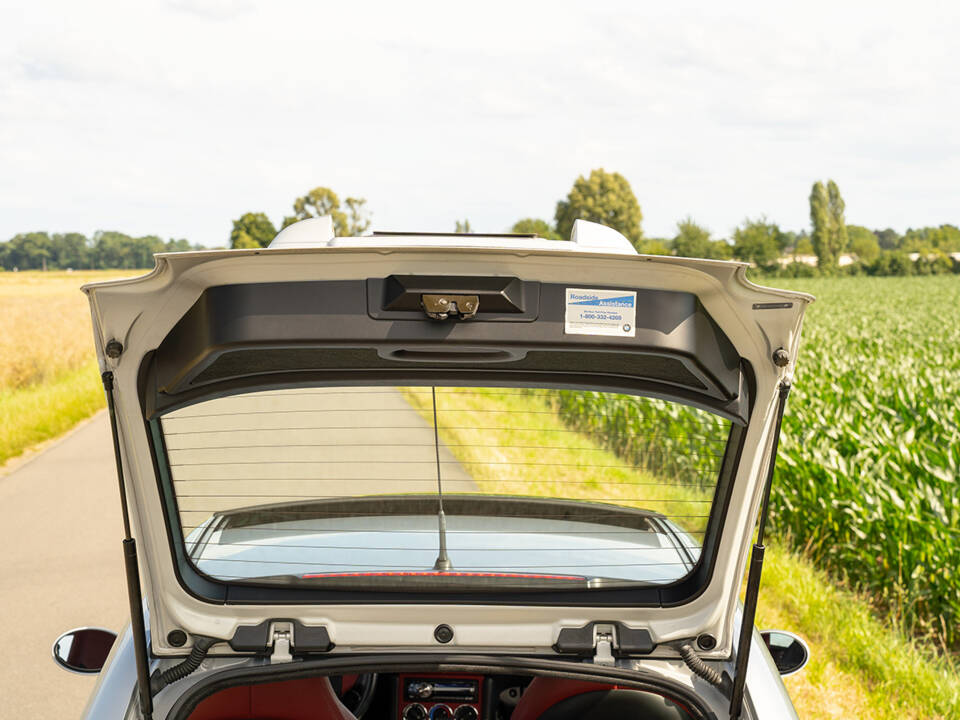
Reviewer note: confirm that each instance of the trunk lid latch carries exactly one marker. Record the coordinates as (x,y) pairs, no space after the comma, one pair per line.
(445,307)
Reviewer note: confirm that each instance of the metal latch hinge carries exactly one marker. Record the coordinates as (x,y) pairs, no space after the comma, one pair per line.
(282,643)
(442,307)
(280,638)
(604,641)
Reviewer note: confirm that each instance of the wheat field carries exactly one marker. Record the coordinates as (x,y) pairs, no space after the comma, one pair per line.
(48,373)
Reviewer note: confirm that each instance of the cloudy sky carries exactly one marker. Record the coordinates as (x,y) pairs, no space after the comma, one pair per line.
(175,117)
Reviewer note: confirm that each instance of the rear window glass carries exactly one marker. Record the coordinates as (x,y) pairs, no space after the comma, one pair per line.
(537,487)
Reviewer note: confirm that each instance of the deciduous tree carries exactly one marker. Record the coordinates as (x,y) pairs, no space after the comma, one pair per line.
(838,221)
(757,241)
(110,249)
(829,226)
(654,246)
(358,219)
(535,226)
(693,240)
(70,250)
(863,243)
(324,201)
(252,230)
(945,238)
(605,198)
(889,239)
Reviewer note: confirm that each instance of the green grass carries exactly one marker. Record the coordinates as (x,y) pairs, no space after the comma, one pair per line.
(510,457)
(35,413)
(859,668)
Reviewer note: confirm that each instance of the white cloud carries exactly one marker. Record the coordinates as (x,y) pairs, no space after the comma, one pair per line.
(176,117)
(212,9)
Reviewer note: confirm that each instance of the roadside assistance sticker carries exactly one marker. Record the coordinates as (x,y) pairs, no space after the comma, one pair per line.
(601,312)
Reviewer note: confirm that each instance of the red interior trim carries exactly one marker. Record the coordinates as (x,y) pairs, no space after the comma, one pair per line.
(543,693)
(307,699)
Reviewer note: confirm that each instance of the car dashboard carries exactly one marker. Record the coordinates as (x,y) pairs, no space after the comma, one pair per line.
(440,697)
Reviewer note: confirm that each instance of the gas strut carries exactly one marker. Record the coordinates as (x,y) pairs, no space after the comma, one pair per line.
(132,567)
(756,568)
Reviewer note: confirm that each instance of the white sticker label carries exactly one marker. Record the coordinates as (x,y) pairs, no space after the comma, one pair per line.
(601,312)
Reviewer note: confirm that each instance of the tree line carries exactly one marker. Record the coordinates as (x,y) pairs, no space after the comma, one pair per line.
(75,251)
(830,246)
(833,246)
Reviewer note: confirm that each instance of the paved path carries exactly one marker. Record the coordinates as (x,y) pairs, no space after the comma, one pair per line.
(61,566)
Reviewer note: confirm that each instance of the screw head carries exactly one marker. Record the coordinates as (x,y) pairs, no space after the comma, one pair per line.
(780,357)
(113,348)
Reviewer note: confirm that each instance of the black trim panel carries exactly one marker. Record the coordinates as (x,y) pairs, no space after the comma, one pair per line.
(245,332)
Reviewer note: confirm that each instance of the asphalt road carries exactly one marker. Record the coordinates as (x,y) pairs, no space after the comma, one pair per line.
(60,527)
(61,567)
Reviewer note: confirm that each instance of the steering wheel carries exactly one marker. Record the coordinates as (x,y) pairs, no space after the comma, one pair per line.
(360,695)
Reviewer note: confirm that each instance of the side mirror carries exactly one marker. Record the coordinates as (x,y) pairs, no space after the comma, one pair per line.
(83,650)
(790,653)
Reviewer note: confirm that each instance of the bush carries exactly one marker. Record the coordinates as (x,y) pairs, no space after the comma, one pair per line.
(892,263)
(935,263)
(798,270)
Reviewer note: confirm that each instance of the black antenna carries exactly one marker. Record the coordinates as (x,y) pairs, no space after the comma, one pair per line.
(443,562)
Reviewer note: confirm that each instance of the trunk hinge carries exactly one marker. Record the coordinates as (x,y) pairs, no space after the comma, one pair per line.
(604,641)
(282,643)
(280,638)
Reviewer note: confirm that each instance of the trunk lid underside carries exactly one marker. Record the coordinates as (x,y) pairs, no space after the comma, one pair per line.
(235,373)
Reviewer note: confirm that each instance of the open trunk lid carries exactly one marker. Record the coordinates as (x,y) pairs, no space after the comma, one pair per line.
(407,320)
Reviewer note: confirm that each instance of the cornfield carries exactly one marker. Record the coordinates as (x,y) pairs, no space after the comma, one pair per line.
(867,476)
(867,480)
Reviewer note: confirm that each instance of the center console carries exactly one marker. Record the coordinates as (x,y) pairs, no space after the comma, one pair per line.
(437,696)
